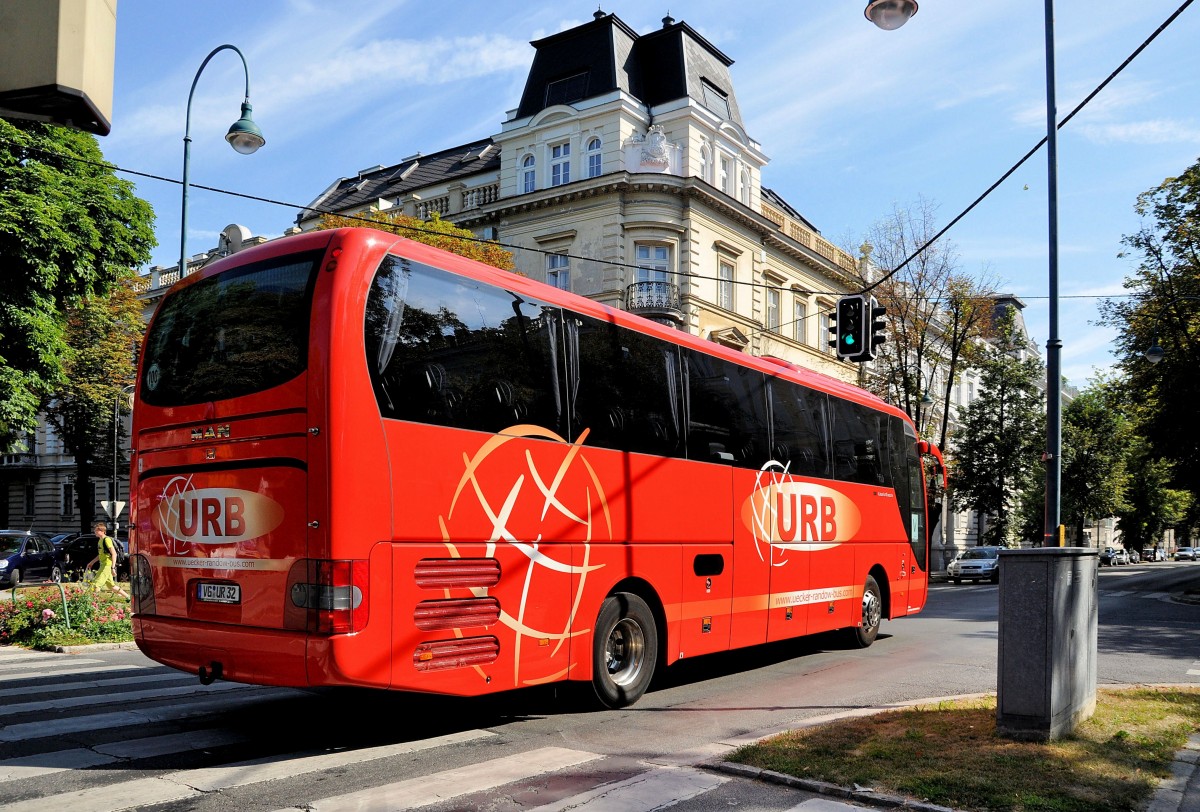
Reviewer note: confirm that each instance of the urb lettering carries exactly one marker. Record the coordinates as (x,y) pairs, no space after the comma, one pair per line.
(212,517)
(811,516)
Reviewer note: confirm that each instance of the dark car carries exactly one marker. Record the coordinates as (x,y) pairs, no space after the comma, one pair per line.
(75,555)
(62,538)
(1113,556)
(26,557)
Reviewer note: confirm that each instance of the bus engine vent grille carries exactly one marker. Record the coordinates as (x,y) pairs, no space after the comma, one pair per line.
(456,613)
(457,573)
(461,653)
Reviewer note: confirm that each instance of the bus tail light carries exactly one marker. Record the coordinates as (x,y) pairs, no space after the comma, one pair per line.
(141,585)
(331,595)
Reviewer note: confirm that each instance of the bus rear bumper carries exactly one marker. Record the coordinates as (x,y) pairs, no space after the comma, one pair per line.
(255,656)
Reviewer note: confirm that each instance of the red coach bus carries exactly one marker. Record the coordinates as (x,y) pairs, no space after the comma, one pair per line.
(359,460)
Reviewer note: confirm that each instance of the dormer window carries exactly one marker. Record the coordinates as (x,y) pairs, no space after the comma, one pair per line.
(715,99)
(567,90)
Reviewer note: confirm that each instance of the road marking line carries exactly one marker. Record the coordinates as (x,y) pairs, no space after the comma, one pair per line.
(655,789)
(171,743)
(41,666)
(439,787)
(72,687)
(177,786)
(130,718)
(15,769)
(127,696)
(1194,672)
(65,672)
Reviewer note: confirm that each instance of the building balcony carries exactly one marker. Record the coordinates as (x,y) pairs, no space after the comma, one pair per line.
(659,301)
(18,461)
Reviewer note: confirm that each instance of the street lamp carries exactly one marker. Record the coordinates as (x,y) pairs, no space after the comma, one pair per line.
(1157,353)
(244,136)
(890,15)
(125,390)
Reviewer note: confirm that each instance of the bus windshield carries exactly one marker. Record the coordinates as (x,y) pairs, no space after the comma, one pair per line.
(232,334)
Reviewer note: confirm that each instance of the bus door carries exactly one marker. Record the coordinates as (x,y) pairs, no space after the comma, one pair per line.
(908,478)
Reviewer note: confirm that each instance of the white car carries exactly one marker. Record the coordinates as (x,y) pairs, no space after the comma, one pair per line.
(976,564)
(1185,554)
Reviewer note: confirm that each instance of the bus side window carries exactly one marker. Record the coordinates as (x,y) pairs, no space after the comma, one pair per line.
(727,412)
(454,352)
(799,429)
(859,455)
(627,393)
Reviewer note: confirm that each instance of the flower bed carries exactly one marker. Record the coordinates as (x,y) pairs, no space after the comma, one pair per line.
(35,618)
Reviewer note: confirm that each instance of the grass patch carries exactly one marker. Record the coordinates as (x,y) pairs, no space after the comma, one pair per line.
(950,754)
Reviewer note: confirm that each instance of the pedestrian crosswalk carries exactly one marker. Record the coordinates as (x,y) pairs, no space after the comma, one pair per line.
(108,734)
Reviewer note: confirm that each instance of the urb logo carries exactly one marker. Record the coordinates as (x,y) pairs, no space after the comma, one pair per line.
(805,515)
(217,515)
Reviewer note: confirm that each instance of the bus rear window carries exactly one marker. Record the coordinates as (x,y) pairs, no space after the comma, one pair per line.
(233,334)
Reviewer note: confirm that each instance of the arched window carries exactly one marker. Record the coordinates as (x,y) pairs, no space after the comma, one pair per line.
(704,163)
(744,187)
(595,161)
(528,175)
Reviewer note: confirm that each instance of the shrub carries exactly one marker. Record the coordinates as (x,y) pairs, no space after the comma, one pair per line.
(35,618)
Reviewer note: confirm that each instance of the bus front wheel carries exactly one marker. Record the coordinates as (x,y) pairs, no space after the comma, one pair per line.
(624,650)
(867,630)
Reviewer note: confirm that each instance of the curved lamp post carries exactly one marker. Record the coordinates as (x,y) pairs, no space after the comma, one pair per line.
(244,136)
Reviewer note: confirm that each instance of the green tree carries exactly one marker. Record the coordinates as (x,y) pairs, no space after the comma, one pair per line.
(436,232)
(997,445)
(1096,440)
(68,228)
(102,334)
(1164,309)
(1152,506)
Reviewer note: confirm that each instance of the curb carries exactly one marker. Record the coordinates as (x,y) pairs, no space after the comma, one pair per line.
(823,788)
(83,649)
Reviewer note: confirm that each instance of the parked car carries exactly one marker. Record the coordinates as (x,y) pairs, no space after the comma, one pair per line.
(26,557)
(62,538)
(1153,554)
(975,564)
(1134,556)
(75,555)
(1107,556)
(1185,554)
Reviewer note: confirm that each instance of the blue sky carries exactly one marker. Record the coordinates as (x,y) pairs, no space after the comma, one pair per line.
(856,121)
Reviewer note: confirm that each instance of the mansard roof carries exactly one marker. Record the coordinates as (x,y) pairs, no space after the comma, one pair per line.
(417,172)
(606,55)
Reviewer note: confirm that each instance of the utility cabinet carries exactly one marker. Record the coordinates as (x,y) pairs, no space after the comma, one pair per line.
(1046,680)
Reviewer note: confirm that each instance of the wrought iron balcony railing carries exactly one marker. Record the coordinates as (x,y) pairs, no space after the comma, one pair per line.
(655,300)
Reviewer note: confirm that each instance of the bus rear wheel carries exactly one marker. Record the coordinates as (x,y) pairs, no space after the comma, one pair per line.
(867,630)
(624,650)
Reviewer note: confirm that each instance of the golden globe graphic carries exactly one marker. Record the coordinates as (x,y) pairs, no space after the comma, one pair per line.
(521,499)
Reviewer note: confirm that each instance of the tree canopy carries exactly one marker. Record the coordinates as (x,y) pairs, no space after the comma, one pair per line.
(436,232)
(68,228)
(1096,440)
(1164,310)
(998,441)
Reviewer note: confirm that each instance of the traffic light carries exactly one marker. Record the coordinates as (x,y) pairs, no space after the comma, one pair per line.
(851,323)
(877,326)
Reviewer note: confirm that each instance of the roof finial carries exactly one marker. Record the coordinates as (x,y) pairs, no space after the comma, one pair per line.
(668,21)
(599,12)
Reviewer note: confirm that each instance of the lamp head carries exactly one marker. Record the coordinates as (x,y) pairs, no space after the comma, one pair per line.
(1155,354)
(245,136)
(890,14)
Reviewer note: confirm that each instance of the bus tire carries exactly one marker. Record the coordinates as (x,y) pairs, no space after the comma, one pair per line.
(867,630)
(624,650)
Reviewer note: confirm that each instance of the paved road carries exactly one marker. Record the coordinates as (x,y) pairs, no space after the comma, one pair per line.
(110,730)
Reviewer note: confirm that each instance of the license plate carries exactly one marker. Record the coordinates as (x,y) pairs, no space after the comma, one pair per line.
(219,593)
